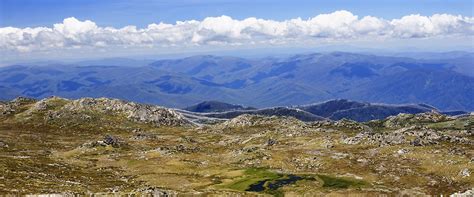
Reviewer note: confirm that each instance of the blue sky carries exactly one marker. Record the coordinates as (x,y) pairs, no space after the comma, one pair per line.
(39,29)
(119,13)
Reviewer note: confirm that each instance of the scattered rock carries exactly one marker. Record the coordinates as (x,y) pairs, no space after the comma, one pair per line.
(327,143)
(177,149)
(381,139)
(354,140)
(271,142)
(465,173)
(457,151)
(405,120)
(3,144)
(287,125)
(144,136)
(112,141)
(107,141)
(339,155)
(416,142)
(402,151)
(467,193)
(363,161)
(136,130)
(159,116)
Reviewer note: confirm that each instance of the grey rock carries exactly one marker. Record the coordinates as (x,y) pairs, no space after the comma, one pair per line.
(159,116)
(3,144)
(271,142)
(402,151)
(465,172)
(467,193)
(112,141)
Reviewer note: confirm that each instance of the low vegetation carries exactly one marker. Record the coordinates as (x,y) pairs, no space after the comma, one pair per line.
(105,149)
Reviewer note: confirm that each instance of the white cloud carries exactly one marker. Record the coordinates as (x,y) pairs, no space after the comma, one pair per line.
(337,26)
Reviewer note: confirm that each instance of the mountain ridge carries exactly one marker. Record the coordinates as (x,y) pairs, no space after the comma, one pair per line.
(333,110)
(263,82)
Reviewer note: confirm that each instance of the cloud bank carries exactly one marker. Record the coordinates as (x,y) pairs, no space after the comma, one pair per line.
(223,31)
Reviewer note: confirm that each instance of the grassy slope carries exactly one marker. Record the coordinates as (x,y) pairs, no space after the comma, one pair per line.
(48,157)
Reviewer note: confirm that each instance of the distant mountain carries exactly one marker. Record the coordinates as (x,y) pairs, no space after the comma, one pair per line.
(333,109)
(115,62)
(362,111)
(328,108)
(273,111)
(215,106)
(7,93)
(434,55)
(439,87)
(447,84)
(455,113)
(374,112)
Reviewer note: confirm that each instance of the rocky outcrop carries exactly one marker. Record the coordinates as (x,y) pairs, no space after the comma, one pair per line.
(55,108)
(422,137)
(247,120)
(156,115)
(405,120)
(108,140)
(14,105)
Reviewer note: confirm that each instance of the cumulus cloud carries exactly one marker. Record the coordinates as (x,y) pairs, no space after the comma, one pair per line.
(223,30)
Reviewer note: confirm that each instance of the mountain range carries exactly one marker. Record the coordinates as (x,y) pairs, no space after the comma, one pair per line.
(336,109)
(446,83)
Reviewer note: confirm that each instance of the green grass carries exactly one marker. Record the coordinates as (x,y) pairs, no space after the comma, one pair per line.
(463,123)
(252,176)
(340,183)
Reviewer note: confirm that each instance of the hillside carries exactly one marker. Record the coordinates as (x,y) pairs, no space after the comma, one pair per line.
(109,146)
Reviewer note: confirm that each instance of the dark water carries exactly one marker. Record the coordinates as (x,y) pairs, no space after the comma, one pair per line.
(282,182)
(257,187)
(274,184)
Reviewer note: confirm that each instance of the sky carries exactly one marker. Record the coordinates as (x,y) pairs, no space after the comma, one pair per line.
(83,28)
